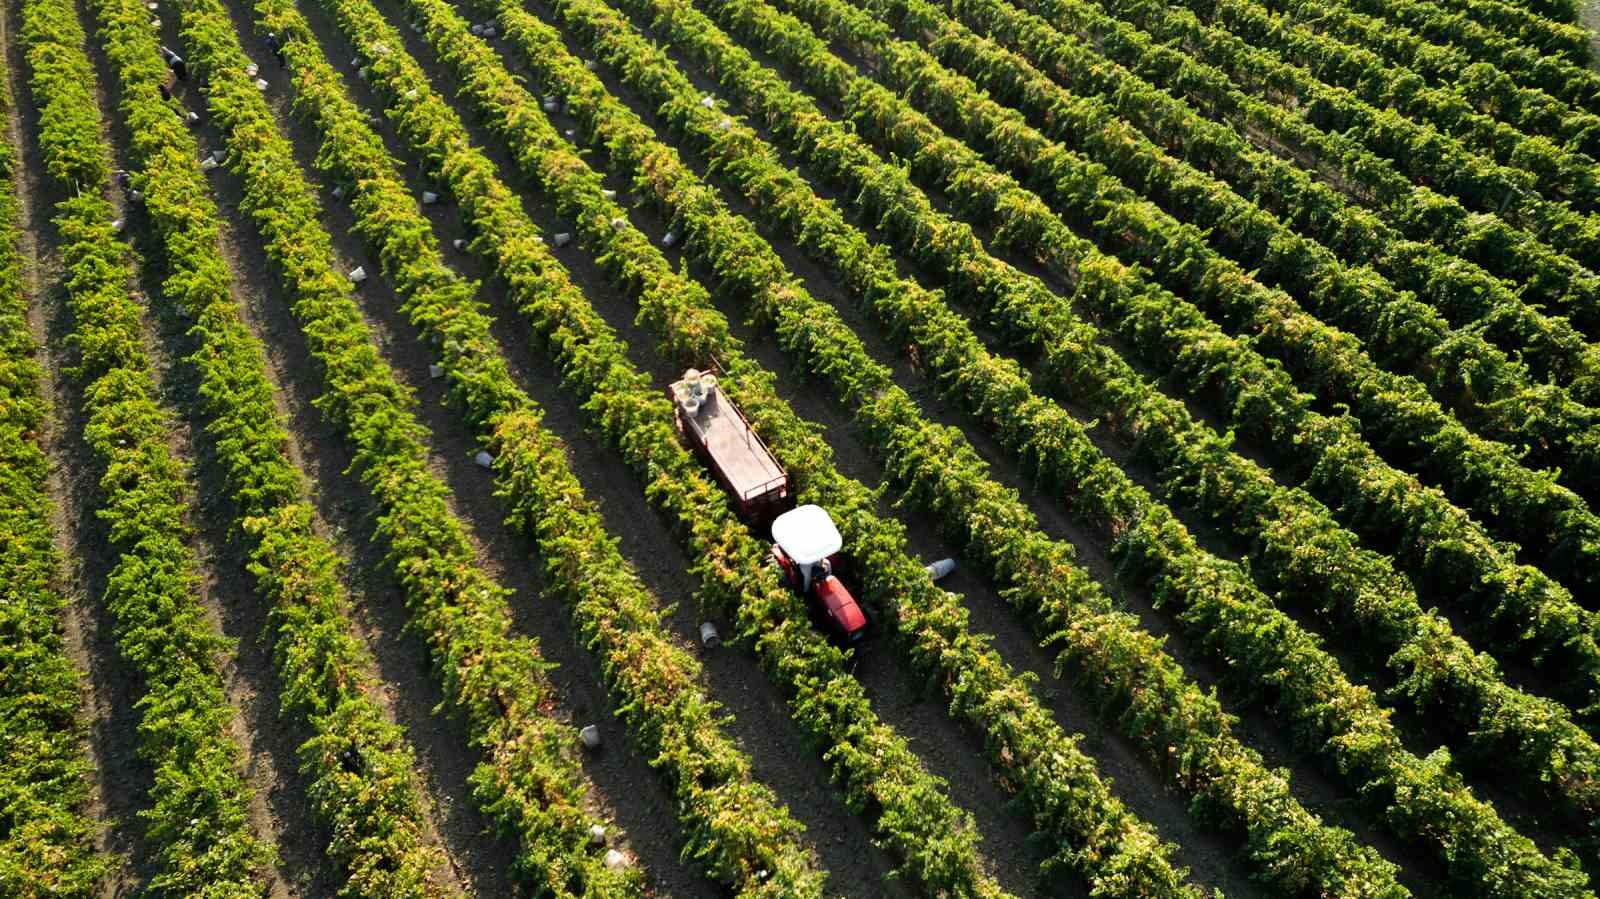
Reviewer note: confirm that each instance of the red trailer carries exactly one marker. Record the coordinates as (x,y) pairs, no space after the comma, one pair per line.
(742,463)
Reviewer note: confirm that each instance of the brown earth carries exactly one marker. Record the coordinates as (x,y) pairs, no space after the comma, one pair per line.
(626,789)
(1136,783)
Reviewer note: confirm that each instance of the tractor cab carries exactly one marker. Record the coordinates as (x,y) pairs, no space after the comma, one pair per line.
(806,546)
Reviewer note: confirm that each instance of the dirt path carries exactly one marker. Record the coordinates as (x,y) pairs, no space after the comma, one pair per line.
(958,759)
(1420,734)
(113,687)
(409,692)
(944,746)
(1589,18)
(628,790)
(119,777)
(246,622)
(781,758)
(1136,782)
(279,808)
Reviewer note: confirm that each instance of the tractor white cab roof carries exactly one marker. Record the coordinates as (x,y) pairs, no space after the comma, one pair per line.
(806,535)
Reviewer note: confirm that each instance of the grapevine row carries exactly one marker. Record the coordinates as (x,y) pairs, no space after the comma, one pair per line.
(1095,833)
(1414,148)
(1103,99)
(1489,89)
(1566,40)
(881,774)
(1123,666)
(530,782)
(1519,593)
(969,503)
(1243,503)
(358,765)
(1559,10)
(47,843)
(1418,211)
(1500,710)
(766,95)
(198,820)
(1560,173)
(1552,501)
(1570,81)
(735,826)
(1180,253)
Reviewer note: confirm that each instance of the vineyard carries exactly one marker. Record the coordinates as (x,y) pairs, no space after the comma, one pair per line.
(1175,431)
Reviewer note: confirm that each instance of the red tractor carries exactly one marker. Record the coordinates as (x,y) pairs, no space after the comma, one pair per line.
(806,546)
(806,543)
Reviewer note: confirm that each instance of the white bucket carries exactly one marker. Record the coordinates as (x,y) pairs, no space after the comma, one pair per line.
(362,73)
(116,224)
(550,104)
(940,568)
(726,124)
(261,84)
(590,65)
(357,275)
(619,223)
(194,117)
(219,155)
(708,101)
(338,191)
(252,69)
(490,31)
(207,164)
(615,861)
(561,239)
(429,198)
(709,638)
(597,834)
(435,371)
(608,193)
(476,29)
(670,238)
(590,735)
(459,244)
(483,459)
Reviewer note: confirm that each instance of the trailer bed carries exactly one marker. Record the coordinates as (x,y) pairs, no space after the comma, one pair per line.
(736,451)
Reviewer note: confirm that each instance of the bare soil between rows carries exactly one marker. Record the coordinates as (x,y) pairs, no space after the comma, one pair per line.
(109,689)
(627,789)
